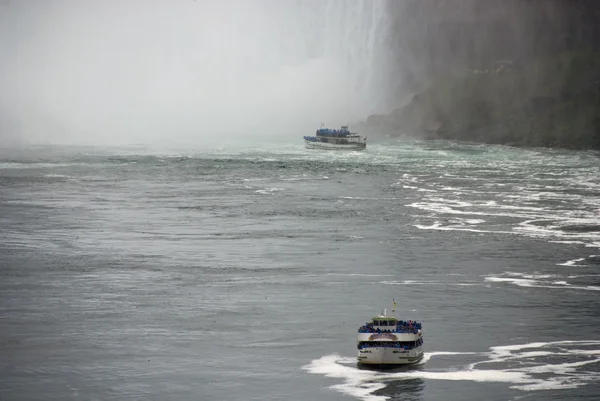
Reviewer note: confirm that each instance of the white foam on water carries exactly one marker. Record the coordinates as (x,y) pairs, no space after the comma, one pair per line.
(16,165)
(526,203)
(489,376)
(583,275)
(571,262)
(522,282)
(550,366)
(359,274)
(535,354)
(438,226)
(409,177)
(367,198)
(253,179)
(295,179)
(554,226)
(446,206)
(532,276)
(269,190)
(358,383)
(413,282)
(538,281)
(567,242)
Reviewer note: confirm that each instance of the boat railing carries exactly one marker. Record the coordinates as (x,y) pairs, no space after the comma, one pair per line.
(332,139)
(335,133)
(401,327)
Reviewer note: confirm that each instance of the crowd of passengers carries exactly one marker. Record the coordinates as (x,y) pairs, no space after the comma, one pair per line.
(391,344)
(332,132)
(401,326)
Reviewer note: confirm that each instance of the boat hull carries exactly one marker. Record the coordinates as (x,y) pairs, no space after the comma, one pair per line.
(389,356)
(334,146)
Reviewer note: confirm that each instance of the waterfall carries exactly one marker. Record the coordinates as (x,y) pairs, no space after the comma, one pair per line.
(351,36)
(309,61)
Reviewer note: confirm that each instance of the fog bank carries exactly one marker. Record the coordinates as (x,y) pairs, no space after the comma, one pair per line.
(112,72)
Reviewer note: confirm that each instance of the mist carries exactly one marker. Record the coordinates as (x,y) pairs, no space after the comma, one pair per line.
(114,72)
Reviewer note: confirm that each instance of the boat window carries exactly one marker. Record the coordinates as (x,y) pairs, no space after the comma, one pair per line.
(375,322)
(384,323)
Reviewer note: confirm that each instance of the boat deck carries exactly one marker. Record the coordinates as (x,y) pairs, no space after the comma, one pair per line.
(391,326)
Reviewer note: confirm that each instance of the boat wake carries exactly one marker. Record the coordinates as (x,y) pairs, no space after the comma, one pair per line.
(524,367)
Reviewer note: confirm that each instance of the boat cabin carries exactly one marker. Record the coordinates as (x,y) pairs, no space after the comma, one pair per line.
(390,324)
(384,322)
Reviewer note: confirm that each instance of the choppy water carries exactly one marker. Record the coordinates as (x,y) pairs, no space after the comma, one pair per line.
(240,273)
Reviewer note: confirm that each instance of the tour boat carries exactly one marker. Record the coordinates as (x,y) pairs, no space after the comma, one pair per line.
(387,340)
(343,139)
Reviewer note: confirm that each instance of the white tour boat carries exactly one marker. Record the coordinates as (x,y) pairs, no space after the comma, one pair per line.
(386,340)
(326,138)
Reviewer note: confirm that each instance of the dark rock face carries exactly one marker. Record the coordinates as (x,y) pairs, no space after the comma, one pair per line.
(514,71)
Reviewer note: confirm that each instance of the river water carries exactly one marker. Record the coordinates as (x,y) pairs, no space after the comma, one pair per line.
(242,273)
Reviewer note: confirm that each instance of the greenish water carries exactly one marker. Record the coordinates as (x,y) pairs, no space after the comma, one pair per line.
(238,273)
